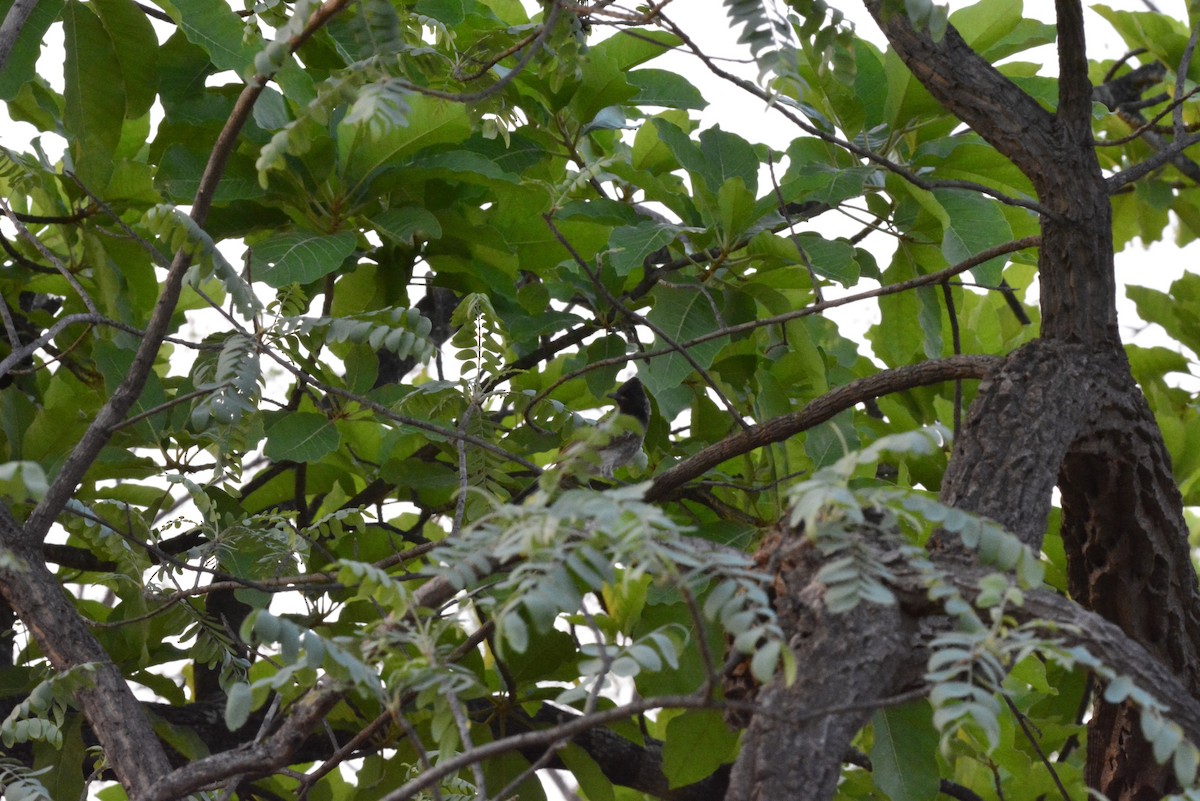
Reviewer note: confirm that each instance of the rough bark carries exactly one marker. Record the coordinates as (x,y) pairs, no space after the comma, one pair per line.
(853,658)
(1062,411)
(110,707)
(1123,529)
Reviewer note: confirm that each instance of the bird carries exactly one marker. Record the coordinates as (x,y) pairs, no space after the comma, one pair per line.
(627,429)
(603,449)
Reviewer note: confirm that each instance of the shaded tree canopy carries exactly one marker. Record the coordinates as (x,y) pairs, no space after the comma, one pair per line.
(297,326)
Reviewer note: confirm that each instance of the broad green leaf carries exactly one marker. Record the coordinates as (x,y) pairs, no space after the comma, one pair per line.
(983,24)
(300,257)
(603,85)
(683,314)
(697,743)
(975,224)
(657,87)
(904,762)
(685,151)
(301,437)
(834,259)
(737,210)
(450,12)
(1165,38)
(727,155)
(637,47)
(651,153)
(181,169)
(429,122)
(467,162)
(95,95)
(136,50)
(633,244)
(22,59)
(214,26)
(402,224)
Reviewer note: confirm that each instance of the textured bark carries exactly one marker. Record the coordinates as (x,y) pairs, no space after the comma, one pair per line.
(1063,411)
(32,591)
(1123,529)
(850,659)
(1023,421)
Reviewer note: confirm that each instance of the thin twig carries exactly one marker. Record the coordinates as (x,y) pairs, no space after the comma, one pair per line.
(50,256)
(638,319)
(743,328)
(956,338)
(1181,78)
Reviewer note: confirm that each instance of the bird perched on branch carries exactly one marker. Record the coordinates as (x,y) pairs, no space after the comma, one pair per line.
(626,430)
(602,449)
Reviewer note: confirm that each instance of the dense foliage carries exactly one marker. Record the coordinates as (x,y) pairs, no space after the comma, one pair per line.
(316,290)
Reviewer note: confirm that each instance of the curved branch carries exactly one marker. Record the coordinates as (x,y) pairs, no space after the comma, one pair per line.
(861,152)
(116,716)
(820,410)
(973,90)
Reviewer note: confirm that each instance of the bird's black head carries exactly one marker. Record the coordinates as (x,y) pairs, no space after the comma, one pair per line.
(631,400)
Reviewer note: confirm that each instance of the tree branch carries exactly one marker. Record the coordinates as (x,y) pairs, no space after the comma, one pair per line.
(820,410)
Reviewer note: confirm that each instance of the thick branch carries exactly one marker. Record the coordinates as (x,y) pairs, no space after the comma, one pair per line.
(820,410)
(972,89)
(1055,153)
(255,758)
(33,592)
(1074,114)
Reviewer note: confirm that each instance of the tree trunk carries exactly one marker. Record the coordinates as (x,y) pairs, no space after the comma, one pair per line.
(1062,411)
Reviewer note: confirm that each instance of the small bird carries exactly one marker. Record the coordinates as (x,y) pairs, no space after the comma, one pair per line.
(627,430)
(604,448)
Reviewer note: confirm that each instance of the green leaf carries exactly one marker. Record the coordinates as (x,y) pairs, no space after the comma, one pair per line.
(834,259)
(136,46)
(402,224)
(19,69)
(904,755)
(23,481)
(591,778)
(429,122)
(238,703)
(94,95)
(737,209)
(603,85)
(638,46)
(300,257)
(301,437)
(631,245)
(976,223)
(682,314)
(214,26)
(697,743)
(664,88)
(727,155)
(450,12)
